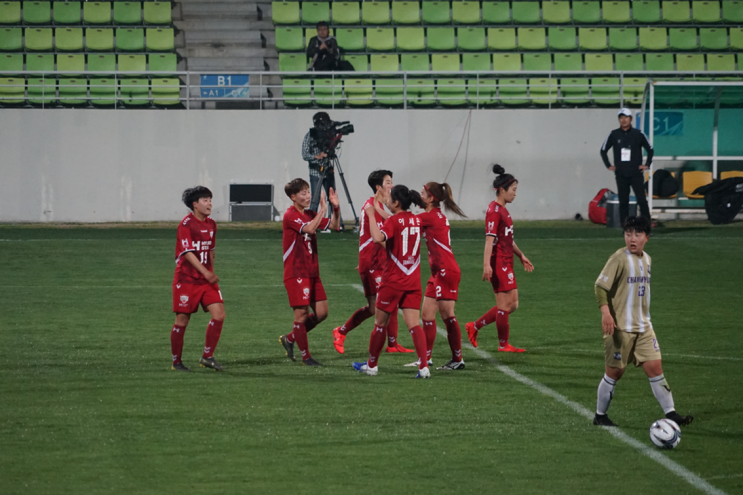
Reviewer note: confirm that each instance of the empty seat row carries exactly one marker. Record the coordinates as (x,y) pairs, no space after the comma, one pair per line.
(70,13)
(507,39)
(89,39)
(46,62)
(517,12)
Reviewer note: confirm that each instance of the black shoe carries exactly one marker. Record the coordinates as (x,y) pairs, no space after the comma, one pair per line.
(678,419)
(210,363)
(603,420)
(179,367)
(452,365)
(289,346)
(310,362)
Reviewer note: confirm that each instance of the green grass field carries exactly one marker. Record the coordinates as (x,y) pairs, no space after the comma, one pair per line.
(89,404)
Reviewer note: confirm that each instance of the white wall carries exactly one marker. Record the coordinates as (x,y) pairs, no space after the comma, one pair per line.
(132,165)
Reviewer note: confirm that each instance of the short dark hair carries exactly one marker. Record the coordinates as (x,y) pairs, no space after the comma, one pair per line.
(194,194)
(637,224)
(376,178)
(295,186)
(322,24)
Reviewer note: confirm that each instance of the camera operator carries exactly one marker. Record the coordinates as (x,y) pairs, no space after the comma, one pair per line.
(318,162)
(323,50)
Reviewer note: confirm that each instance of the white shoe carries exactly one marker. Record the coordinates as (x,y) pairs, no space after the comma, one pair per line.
(417,363)
(364,368)
(423,373)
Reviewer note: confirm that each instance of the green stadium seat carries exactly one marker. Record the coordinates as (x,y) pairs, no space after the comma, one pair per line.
(445,62)
(502,39)
(102,63)
(166,91)
(732,12)
(421,92)
(159,63)
(406,13)
(385,63)
(568,61)
(160,39)
(310,33)
(525,12)
(705,11)
(507,62)
(99,39)
(389,92)
(629,61)
(292,62)
(592,38)
(157,13)
(634,87)
(676,12)
(375,12)
(435,12)
(12,91)
(471,39)
(690,62)
(575,91)
(11,39)
(346,13)
(414,63)
(328,92)
(360,63)
(605,91)
(556,12)
(71,63)
(464,12)
(653,39)
(622,39)
(513,92)
(451,92)
(496,13)
(97,12)
(73,91)
(285,12)
(685,39)
(129,40)
(720,62)
(297,92)
(531,38)
(562,38)
(133,63)
(475,62)
(599,62)
(616,12)
(411,39)
(736,39)
(13,62)
(38,39)
(646,12)
(543,91)
(10,12)
(659,62)
(67,13)
(713,38)
(37,13)
(41,90)
(441,39)
(482,92)
(380,39)
(314,12)
(359,92)
(68,39)
(538,62)
(126,13)
(291,39)
(134,92)
(102,91)
(587,12)
(348,39)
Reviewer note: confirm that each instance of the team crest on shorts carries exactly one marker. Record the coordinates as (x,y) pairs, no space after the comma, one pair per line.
(378,280)
(184,299)
(510,278)
(306,292)
(618,356)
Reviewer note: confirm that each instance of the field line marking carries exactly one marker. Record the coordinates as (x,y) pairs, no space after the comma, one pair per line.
(694,356)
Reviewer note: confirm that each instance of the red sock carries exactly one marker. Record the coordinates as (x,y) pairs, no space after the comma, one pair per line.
(300,337)
(356,319)
(176,342)
(311,322)
(419,342)
(392,329)
(501,322)
(454,335)
(213,332)
(487,318)
(429,330)
(376,344)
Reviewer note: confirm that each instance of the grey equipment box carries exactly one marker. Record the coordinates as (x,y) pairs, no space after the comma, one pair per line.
(612,211)
(251,202)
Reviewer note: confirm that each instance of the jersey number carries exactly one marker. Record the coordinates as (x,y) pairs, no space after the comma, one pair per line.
(641,291)
(204,257)
(406,234)
(309,243)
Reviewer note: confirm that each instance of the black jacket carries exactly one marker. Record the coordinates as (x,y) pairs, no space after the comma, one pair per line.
(331,49)
(632,139)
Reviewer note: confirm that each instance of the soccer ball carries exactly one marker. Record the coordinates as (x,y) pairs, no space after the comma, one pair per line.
(665,434)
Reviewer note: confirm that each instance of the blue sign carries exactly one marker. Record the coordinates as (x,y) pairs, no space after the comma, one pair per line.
(666,123)
(224,86)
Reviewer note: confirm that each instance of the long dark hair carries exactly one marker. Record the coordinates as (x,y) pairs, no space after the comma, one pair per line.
(406,197)
(442,194)
(502,179)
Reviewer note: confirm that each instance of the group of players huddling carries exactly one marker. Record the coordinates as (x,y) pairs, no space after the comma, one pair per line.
(389,266)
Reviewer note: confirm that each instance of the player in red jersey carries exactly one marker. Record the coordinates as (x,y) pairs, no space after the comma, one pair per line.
(301,267)
(443,286)
(195,283)
(401,280)
(498,262)
(372,260)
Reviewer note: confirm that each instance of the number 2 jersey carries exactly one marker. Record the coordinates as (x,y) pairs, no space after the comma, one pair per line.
(300,249)
(200,238)
(372,256)
(499,225)
(435,227)
(402,233)
(626,278)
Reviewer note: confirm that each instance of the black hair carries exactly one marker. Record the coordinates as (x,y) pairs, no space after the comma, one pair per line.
(637,224)
(322,24)
(441,193)
(406,197)
(295,187)
(376,178)
(192,195)
(320,117)
(502,179)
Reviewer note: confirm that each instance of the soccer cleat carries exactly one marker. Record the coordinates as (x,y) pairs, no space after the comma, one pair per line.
(510,348)
(339,340)
(452,365)
(423,373)
(210,363)
(179,367)
(364,368)
(398,348)
(417,363)
(678,419)
(471,333)
(603,420)
(289,346)
(310,362)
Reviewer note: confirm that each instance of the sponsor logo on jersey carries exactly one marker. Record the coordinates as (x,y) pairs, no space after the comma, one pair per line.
(211,233)
(509,230)
(204,231)
(443,272)
(185,220)
(491,226)
(299,280)
(504,268)
(638,280)
(185,243)
(177,286)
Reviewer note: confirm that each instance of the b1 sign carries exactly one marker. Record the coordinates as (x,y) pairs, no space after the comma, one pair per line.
(224,86)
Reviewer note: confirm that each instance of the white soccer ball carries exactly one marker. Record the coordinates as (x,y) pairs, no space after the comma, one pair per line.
(665,434)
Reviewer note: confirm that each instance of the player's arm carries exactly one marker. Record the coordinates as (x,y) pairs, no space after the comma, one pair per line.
(381,211)
(524,260)
(209,276)
(311,226)
(376,233)
(487,270)
(648,149)
(335,221)
(608,143)
(607,320)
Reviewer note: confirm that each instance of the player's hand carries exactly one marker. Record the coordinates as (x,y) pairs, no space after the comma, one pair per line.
(644,167)
(527,264)
(612,168)
(333,198)
(487,272)
(211,278)
(321,156)
(607,323)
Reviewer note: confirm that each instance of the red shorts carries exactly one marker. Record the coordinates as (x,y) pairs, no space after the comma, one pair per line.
(187,297)
(389,299)
(503,278)
(304,291)
(371,280)
(444,285)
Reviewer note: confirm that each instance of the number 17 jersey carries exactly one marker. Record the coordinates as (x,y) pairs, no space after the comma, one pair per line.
(402,233)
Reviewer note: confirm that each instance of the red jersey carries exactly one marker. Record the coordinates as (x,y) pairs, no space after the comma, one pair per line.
(372,256)
(195,237)
(435,227)
(403,235)
(300,250)
(500,226)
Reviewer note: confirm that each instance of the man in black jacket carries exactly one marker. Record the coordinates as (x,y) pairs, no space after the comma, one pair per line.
(628,168)
(322,50)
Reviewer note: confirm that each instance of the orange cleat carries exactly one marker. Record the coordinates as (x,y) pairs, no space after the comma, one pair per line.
(471,332)
(398,348)
(338,340)
(510,348)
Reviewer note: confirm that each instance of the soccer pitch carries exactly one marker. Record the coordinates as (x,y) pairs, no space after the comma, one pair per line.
(89,404)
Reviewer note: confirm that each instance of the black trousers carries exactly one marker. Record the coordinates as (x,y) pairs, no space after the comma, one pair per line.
(637,182)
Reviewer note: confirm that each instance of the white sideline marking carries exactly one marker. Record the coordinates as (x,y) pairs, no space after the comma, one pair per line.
(694,356)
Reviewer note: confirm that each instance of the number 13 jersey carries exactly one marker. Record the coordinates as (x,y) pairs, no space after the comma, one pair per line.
(300,250)
(402,233)
(195,237)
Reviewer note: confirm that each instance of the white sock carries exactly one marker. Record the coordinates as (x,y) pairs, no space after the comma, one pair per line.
(662,392)
(605,394)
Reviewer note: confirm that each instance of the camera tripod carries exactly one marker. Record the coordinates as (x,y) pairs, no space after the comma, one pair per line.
(336,164)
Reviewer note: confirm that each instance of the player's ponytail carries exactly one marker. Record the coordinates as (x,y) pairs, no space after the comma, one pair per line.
(193,194)
(441,193)
(502,180)
(406,197)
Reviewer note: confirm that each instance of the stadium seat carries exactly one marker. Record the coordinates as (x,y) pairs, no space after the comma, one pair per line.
(13,62)
(41,90)
(676,12)
(97,12)
(556,12)
(693,180)
(732,12)
(350,39)
(134,92)
(380,39)
(543,91)
(166,91)
(389,92)
(592,38)
(435,12)
(507,62)
(537,62)
(629,61)
(451,92)
(475,62)
(102,87)
(99,39)
(385,63)
(502,38)
(328,92)
(684,39)
(291,62)
(314,12)
(441,39)
(720,62)
(359,92)
(587,12)
(411,39)
(634,88)
(653,39)
(605,91)
(291,39)
(12,90)
(482,92)
(599,62)
(38,39)
(11,39)
(513,92)
(346,13)
(406,12)
(37,13)
(568,61)
(657,62)
(736,39)
(10,12)
(310,33)
(68,39)
(103,63)
(471,39)
(414,63)
(575,91)
(562,38)
(496,13)
(74,63)
(525,12)
(160,39)
(464,12)
(285,12)
(730,174)
(421,92)
(713,38)
(622,39)
(646,12)
(531,38)
(705,11)
(133,63)
(157,13)
(616,12)
(73,88)
(67,13)
(360,63)
(297,92)
(690,62)
(375,12)
(445,62)
(129,40)
(125,13)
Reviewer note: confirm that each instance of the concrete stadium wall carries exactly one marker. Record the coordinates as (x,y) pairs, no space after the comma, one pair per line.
(132,165)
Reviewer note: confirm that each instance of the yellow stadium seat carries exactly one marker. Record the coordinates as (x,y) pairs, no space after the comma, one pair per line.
(692,180)
(731,173)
